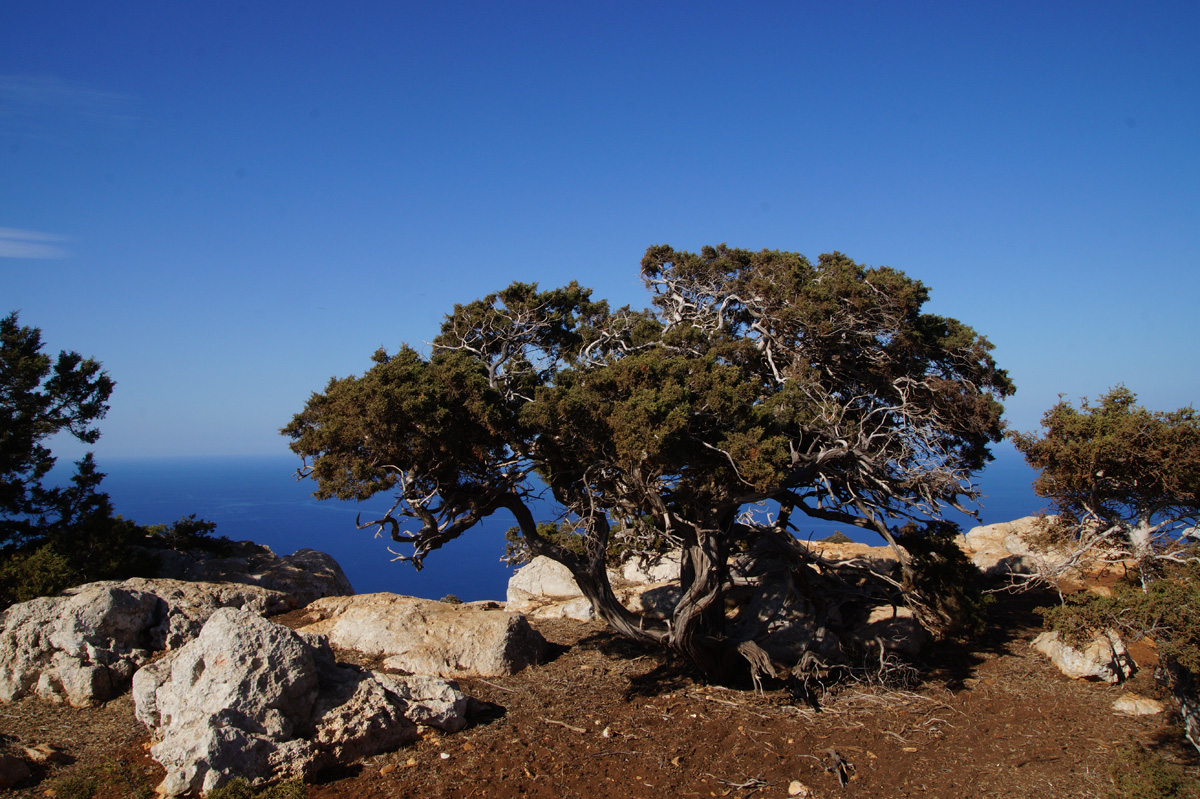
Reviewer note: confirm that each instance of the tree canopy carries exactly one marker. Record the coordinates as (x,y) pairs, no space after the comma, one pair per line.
(56,536)
(758,388)
(40,397)
(1125,481)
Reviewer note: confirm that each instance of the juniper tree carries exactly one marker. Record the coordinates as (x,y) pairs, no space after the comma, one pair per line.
(1124,481)
(759,388)
(39,398)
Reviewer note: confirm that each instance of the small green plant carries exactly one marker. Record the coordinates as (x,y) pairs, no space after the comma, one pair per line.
(128,779)
(188,533)
(838,537)
(451,599)
(82,784)
(1168,610)
(239,788)
(25,575)
(1138,773)
(120,778)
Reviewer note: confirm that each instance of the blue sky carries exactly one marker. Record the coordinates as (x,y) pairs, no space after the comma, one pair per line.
(230,203)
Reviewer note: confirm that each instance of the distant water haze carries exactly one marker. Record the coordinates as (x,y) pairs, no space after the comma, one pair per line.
(259,499)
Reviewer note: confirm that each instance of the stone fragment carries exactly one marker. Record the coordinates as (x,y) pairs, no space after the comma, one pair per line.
(428,637)
(43,753)
(1103,658)
(1132,704)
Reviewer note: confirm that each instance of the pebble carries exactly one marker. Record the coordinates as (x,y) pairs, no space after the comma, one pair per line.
(797,788)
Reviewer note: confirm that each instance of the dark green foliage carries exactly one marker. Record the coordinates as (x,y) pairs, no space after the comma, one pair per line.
(1124,480)
(38,399)
(188,533)
(944,585)
(1138,773)
(54,537)
(40,572)
(1167,609)
(756,377)
(564,535)
(838,537)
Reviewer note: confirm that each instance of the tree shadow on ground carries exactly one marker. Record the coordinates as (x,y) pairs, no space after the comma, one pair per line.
(332,774)
(669,672)
(1012,617)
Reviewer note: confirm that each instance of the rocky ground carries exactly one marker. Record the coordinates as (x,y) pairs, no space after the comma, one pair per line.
(603,718)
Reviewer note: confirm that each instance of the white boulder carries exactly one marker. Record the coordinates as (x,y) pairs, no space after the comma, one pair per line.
(84,646)
(1103,658)
(422,636)
(250,698)
(651,568)
(1012,548)
(545,589)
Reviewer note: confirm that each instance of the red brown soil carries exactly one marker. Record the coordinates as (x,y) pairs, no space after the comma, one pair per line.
(604,718)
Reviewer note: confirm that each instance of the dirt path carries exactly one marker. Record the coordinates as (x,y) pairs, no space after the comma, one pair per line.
(604,718)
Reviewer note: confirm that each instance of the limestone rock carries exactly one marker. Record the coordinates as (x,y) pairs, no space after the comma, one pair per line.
(428,637)
(1104,658)
(1132,704)
(84,646)
(78,649)
(432,702)
(253,699)
(651,568)
(304,575)
(1010,548)
(544,588)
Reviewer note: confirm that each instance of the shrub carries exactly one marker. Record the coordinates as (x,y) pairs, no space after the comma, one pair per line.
(838,537)
(239,788)
(26,575)
(1167,609)
(945,584)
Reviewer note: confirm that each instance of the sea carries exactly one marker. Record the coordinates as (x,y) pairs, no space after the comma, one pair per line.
(260,499)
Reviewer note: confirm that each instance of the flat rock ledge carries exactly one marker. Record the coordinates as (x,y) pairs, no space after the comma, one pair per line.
(304,575)
(250,698)
(422,636)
